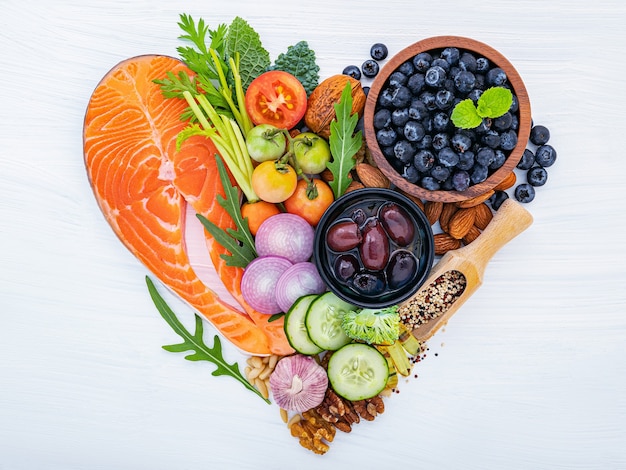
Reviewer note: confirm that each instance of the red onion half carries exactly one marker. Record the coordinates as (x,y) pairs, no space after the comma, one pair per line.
(258,283)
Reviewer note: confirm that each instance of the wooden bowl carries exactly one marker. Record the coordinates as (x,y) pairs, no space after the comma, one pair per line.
(431,45)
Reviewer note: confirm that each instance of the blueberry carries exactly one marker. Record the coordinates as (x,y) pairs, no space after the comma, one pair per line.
(460,180)
(483,127)
(503,122)
(467,62)
(461,142)
(422,61)
(435,76)
(385,98)
(508,140)
(401,97)
(426,142)
(545,155)
(539,135)
(352,71)
(498,161)
(440,62)
(524,193)
(491,138)
(527,160)
(475,94)
(444,99)
(466,160)
(388,152)
(485,156)
(404,151)
(440,173)
(366,90)
(479,173)
(413,131)
(441,122)
(537,176)
(407,68)
(482,64)
(514,122)
(496,77)
(514,105)
(417,110)
(429,183)
(386,137)
(451,55)
(497,199)
(397,79)
(448,157)
(370,68)
(379,51)
(440,140)
(424,160)
(399,117)
(415,83)
(411,174)
(428,98)
(480,82)
(382,118)
(464,81)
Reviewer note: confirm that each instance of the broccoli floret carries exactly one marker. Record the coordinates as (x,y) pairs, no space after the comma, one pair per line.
(373,326)
(299,60)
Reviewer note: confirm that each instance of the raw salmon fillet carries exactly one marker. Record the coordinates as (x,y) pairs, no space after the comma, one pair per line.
(141,184)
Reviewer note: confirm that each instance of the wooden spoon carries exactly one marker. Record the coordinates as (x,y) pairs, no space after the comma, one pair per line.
(510,220)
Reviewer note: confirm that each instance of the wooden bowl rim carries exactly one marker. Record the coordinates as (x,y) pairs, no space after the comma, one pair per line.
(441,42)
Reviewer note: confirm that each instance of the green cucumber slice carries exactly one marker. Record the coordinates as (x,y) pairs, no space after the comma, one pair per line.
(358,371)
(323,321)
(295,330)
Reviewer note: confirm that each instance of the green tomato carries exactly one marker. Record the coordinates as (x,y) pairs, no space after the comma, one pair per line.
(311,152)
(266,142)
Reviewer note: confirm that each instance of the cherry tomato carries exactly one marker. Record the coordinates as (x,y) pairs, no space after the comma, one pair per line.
(311,152)
(274,181)
(277,98)
(308,202)
(266,142)
(257,213)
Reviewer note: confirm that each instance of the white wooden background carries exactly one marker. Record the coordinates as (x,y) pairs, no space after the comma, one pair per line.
(530,374)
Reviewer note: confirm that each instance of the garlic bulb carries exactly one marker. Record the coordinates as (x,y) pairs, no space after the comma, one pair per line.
(298,383)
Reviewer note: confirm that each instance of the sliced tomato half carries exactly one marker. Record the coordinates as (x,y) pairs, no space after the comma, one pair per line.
(277,98)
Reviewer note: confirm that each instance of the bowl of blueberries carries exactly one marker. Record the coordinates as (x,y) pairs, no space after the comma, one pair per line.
(447,119)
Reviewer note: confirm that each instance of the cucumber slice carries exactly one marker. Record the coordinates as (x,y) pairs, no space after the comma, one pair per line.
(295,330)
(323,321)
(358,371)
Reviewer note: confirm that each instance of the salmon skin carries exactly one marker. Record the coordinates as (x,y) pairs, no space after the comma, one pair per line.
(142,185)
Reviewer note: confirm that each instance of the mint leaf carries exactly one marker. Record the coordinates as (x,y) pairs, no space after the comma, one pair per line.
(299,60)
(494,102)
(344,142)
(465,115)
(254,59)
(195,344)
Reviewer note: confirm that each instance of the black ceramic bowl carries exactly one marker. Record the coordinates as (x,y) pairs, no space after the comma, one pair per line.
(387,222)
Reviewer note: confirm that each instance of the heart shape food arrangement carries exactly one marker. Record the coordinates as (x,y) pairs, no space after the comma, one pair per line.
(266,155)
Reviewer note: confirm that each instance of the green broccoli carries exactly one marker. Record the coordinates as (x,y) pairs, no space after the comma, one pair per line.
(373,326)
(299,60)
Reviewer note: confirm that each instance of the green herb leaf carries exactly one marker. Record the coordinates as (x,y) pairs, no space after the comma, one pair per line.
(344,142)
(254,59)
(465,116)
(240,242)
(494,102)
(299,60)
(194,343)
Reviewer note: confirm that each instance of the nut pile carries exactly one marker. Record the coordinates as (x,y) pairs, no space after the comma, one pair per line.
(258,371)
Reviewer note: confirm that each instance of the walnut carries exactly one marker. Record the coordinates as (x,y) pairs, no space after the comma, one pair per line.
(338,411)
(370,408)
(313,432)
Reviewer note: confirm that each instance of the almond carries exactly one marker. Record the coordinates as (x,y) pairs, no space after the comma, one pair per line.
(461,222)
(471,235)
(483,216)
(432,209)
(449,208)
(475,200)
(444,243)
(354,185)
(327,175)
(507,182)
(371,177)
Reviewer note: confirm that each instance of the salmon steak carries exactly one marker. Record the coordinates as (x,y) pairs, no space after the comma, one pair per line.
(143,186)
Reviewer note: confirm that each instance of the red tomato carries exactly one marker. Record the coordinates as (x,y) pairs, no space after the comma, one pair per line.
(308,204)
(277,98)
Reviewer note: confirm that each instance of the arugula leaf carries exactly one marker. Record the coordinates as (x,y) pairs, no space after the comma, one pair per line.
(254,59)
(344,142)
(194,343)
(240,242)
(299,60)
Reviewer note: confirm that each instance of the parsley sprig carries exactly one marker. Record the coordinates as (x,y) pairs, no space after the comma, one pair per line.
(194,342)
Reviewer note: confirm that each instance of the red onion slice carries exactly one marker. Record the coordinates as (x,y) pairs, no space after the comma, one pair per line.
(298,280)
(258,283)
